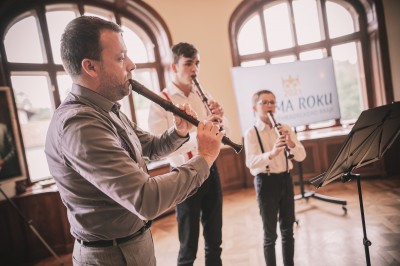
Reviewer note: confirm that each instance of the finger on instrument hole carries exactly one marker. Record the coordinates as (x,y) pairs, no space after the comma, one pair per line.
(215,129)
(193,113)
(187,108)
(202,125)
(209,125)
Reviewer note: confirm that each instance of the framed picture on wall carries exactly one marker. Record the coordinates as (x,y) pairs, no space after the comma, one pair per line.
(11,158)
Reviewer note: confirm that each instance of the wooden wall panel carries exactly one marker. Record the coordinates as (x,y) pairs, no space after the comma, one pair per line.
(311,166)
(331,148)
(230,167)
(49,218)
(13,248)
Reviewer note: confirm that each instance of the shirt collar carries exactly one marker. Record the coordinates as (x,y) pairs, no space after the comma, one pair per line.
(116,108)
(174,90)
(261,125)
(91,97)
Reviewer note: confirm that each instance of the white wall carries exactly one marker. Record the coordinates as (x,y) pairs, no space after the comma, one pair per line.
(204,23)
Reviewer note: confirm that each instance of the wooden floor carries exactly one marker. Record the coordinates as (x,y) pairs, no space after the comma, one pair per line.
(325,235)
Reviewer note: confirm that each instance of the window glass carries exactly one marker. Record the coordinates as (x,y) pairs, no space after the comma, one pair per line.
(34,91)
(137,50)
(277,24)
(307,21)
(251,30)
(348,81)
(57,20)
(340,21)
(125,106)
(311,55)
(64,83)
(147,77)
(283,59)
(306,24)
(22,42)
(260,62)
(99,12)
(34,106)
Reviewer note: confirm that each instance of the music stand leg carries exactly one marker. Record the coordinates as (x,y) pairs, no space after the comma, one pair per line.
(305,194)
(366,242)
(29,222)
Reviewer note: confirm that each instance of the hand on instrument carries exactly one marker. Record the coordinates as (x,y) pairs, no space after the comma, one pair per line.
(215,108)
(215,119)
(284,131)
(209,141)
(278,147)
(182,126)
(217,112)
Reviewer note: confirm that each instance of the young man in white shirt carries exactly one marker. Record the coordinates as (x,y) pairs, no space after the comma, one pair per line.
(206,203)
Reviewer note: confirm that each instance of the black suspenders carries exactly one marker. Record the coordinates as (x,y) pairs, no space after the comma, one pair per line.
(262,148)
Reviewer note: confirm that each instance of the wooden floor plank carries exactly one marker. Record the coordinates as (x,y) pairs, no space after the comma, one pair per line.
(325,236)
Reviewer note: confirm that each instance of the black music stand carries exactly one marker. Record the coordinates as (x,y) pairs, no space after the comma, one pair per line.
(372,135)
(306,194)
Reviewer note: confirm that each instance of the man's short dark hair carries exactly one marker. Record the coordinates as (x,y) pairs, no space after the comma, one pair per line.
(183,49)
(81,39)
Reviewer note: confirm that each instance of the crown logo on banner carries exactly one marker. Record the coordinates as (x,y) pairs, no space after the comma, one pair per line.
(291,86)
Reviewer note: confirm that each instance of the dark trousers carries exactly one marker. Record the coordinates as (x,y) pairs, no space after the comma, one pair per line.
(205,204)
(275,198)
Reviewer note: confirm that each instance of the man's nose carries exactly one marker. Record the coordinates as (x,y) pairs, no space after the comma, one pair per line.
(131,66)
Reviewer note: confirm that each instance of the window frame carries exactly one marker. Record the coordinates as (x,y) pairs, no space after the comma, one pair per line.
(370,33)
(137,12)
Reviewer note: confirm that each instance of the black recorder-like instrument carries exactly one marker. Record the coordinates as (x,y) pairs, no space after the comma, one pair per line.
(203,97)
(275,126)
(170,107)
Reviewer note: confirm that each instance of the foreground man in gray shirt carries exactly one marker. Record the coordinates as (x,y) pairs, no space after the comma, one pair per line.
(95,153)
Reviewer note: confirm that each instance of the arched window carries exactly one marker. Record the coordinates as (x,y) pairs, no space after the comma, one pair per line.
(278,31)
(32,67)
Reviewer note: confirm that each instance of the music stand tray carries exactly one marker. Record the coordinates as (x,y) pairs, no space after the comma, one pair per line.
(371,136)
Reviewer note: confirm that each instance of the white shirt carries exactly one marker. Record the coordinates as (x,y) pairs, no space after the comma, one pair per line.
(160,120)
(257,161)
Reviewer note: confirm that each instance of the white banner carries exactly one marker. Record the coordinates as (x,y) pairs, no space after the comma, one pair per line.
(305,91)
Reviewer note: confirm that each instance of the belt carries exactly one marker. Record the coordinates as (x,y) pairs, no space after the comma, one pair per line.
(281,173)
(273,174)
(117,241)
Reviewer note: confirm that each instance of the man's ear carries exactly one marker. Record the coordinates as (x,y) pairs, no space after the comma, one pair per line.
(90,67)
(173,67)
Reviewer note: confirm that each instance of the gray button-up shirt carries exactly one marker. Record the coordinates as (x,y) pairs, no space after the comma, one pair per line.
(107,193)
